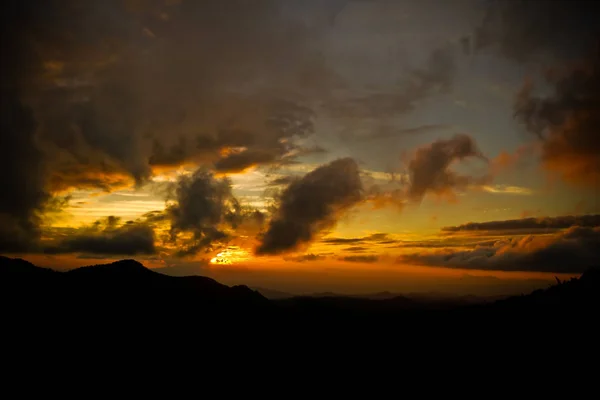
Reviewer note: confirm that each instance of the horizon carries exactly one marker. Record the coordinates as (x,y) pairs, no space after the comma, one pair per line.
(341,146)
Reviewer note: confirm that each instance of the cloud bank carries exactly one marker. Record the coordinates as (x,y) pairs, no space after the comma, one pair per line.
(108,237)
(529,224)
(571,251)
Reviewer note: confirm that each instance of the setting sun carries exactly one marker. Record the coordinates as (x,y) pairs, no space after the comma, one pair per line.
(231,255)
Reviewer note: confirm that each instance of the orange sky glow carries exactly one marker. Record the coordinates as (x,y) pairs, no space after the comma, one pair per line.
(335,146)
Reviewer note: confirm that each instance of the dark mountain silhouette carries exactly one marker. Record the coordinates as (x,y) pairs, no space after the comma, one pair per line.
(125,274)
(127,297)
(273,294)
(121,294)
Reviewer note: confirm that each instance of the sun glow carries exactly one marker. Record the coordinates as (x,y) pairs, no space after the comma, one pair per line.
(231,255)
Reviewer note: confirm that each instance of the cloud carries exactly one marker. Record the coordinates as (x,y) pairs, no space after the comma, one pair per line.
(83,108)
(445,243)
(21,175)
(204,214)
(339,241)
(155,216)
(375,237)
(429,168)
(567,121)
(356,249)
(282,181)
(360,259)
(107,237)
(507,189)
(203,205)
(392,192)
(570,251)
(506,161)
(524,30)
(529,224)
(238,162)
(312,204)
(306,257)
(21,163)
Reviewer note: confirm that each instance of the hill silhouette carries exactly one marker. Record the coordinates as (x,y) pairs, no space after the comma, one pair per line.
(121,294)
(125,296)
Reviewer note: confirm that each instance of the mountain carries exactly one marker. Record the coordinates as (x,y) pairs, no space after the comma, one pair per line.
(125,296)
(272,294)
(124,291)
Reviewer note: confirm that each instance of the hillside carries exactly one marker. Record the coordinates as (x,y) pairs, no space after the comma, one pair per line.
(125,294)
(122,291)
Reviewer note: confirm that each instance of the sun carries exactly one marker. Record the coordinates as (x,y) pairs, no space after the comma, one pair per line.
(232,254)
(220,258)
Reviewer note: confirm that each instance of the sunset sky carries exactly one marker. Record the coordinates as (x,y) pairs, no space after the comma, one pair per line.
(305,145)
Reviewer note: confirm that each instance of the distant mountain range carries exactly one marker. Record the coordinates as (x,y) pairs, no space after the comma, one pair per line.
(429,297)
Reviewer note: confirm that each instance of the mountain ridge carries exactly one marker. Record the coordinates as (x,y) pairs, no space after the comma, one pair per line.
(127,295)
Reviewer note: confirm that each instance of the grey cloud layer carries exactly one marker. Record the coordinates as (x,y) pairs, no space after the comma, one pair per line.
(527,224)
(523,30)
(107,237)
(571,251)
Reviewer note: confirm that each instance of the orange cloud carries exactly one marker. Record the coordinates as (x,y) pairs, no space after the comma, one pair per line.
(569,151)
(506,161)
(567,121)
(89,179)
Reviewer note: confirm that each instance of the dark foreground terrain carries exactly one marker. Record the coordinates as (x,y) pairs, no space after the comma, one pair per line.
(127,302)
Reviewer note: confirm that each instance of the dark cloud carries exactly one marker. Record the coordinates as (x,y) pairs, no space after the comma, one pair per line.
(529,224)
(203,205)
(107,237)
(429,168)
(204,214)
(567,121)
(155,216)
(521,30)
(356,249)
(97,94)
(306,257)
(182,150)
(285,121)
(312,204)
(378,237)
(339,241)
(440,244)
(373,238)
(360,259)
(571,251)
(21,176)
(21,163)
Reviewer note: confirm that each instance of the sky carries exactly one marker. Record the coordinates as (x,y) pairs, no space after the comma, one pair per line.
(305,145)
